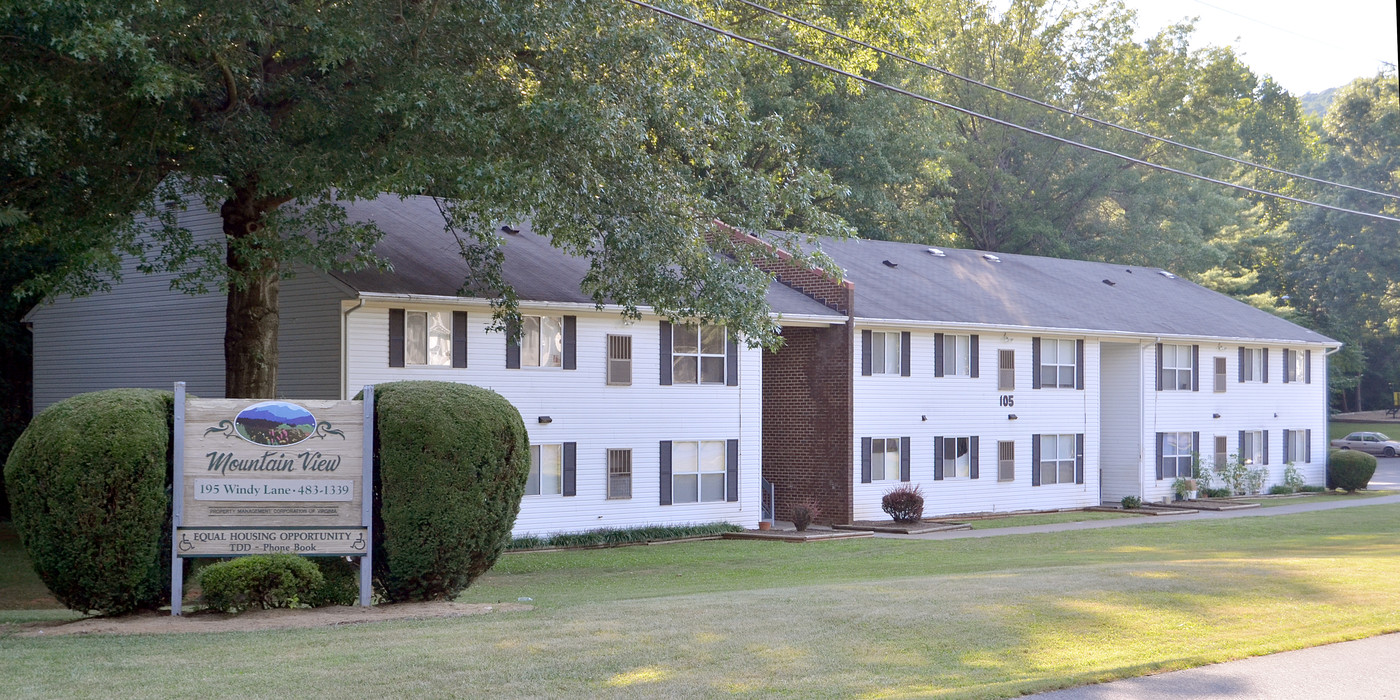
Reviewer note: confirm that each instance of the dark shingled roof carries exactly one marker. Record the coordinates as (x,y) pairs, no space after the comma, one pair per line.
(426,260)
(1023,290)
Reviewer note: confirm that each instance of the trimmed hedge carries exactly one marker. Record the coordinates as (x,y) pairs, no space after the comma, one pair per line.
(262,580)
(340,582)
(452,461)
(1350,470)
(87,487)
(617,537)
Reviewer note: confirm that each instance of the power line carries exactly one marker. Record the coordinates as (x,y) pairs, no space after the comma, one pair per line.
(924,98)
(1046,105)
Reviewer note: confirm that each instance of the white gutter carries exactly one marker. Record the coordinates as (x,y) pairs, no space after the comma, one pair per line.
(1095,332)
(345,349)
(795,319)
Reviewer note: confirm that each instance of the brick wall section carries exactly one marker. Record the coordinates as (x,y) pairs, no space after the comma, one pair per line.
(812,281)
(807,453)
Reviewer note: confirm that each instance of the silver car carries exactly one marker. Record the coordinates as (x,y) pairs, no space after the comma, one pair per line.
(1373,443)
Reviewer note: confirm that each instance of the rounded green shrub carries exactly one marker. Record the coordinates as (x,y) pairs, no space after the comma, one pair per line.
(451,466)
(340,584)
(262,580)
(1350,470)
(87,486)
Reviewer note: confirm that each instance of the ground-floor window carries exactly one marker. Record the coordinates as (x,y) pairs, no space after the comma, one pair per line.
(1006,460)
(1057,456)
(619,474)
(1252,447)
(1296,448)
(546,471)
(957,457)
(884,459)
(697,471)
(1177,451)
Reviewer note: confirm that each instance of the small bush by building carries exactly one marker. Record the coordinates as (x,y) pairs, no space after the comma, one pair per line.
(452,461)
(1350,470)
(87,485)
(259,581)
(904,503)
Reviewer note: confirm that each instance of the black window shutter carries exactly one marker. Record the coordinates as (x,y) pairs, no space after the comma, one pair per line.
(972,361)
(1160,383)
(1079,458)
(731,470)
(1195,451)
(1241,365)
(904,459)
(665,472)
(1241,448)
(1160,438)
(1035,457)
(570,342)
(1265,451)
(459,339)
(1195,368)
(972,449)
(666,358)
(865,365)
(731,363)
(938,459)
(1035,378)
(865,458)
(512,345)
(1266,365)
(1307,445)
(1287,367)
(1307,367)
(906,354)
(1286,433)
(938,355)
(396,322)
(570,468)
(1079,364)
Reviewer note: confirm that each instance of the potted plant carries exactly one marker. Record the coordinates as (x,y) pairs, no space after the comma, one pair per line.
(1184,488)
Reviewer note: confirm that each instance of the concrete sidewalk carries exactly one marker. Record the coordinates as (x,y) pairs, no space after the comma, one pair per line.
(1362,669)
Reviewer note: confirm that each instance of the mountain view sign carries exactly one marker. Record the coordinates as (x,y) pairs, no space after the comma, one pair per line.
(271,477)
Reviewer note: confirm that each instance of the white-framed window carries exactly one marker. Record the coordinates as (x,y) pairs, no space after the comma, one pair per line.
(1253,368)
(1057,455)
(1252,450)
(619,474)
(697,354)
(619,369)
(1221,382)
(1057,363)
(957,355)
(885,351)
(427,338)
(546,471)
(884,459)
(697,471)
(1177,366)
(1222,452)
(1006,460)
(542,341)
(956,457)
(1177,451)
(1006,370)
(1294,365)
(1298,446)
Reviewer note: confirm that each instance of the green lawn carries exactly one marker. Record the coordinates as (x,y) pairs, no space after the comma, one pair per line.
(1317,498)
(1338,430)
(1045,519)
(872,618)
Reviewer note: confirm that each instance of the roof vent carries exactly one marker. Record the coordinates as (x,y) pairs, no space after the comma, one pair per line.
(506,228)
(1166,274)
(1128,270)
(991,258)
(890,264)
(937,253)
(1110,282)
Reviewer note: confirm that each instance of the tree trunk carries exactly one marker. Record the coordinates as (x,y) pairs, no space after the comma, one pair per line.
(251,317)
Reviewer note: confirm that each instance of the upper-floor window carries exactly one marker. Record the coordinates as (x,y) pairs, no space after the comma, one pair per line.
(1253,365)
(619,369)
(885,352)
(957,355)
(1220,381)
(1006,370)
(1057,363)
(1295,366)
(428,338)
(542,341)
(1177,366)
(697,354)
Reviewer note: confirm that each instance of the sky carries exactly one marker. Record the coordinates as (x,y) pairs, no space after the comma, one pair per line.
(1306,46)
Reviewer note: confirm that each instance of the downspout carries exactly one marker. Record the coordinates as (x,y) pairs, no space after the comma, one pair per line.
(345,348)
(1142,441)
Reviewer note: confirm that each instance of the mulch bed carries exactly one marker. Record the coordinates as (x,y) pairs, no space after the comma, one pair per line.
(795,536)
(892,527)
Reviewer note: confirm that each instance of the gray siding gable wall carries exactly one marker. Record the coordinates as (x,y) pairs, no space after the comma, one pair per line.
(143,334)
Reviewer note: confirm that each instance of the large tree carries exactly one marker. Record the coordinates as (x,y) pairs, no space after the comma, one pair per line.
(622,136)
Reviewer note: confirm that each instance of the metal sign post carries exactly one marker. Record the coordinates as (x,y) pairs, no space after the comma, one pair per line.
(367,503)
(177,564)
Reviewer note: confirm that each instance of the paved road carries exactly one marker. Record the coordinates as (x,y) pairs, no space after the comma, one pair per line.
(1387,476)
(1359,670)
